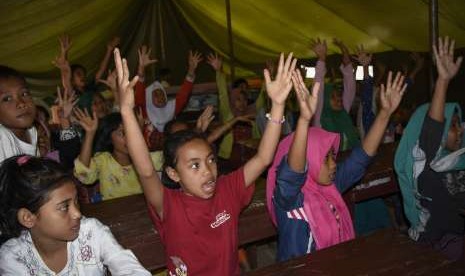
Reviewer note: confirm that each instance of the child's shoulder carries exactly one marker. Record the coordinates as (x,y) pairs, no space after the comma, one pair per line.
(90,224)
(15,249)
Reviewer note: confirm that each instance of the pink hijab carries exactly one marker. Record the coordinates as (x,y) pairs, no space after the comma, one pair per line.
(317,198)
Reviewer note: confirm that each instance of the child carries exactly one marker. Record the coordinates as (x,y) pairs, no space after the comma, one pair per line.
(111,164)
(198,223)
(232,104)
(17,112)
(304,187)
(42,231)
(154,101)
(334,105)
(429,167)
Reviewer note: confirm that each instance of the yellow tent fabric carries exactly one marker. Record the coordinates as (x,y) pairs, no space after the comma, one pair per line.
(261,28)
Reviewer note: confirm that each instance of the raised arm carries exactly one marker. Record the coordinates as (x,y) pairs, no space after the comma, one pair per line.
(223,96)
(89,124)
(278,90)
(151,184)
(61,62)
(182,96)
(219,131)
(145,60)
(390,97)
(320,48)
(104,63)
(307,102)
(447,69)
(348,76)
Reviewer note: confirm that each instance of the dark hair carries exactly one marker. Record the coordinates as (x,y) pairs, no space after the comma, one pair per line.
(8,72)
(107,125)
(75,67)
(238,83)
(169,127)
(170,150)
(26,182)
(44,110)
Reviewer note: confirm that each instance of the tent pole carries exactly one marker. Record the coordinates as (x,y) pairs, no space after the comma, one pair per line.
(230,38)
(433,38)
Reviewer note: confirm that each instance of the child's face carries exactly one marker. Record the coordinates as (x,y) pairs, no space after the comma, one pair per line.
(99,105)
(454,135)
(196,169)
(328,169)
(336,100)
(17,111)
(59,218)
(118,140)
(79,78)
(240,102)
(159,99)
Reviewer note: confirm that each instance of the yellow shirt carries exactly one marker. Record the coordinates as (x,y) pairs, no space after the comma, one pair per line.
(115,180)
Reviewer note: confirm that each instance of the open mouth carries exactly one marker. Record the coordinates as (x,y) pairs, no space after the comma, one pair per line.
(209,187)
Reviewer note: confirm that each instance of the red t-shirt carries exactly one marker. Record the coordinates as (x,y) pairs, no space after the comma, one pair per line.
(201,236)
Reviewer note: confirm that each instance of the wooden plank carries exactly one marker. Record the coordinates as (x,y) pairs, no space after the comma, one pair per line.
(384,253)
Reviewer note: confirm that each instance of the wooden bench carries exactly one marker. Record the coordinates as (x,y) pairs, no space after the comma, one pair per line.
(385,252)
(129,222)
(380,180)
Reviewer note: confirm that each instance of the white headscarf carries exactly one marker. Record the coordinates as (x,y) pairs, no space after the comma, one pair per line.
(159,116)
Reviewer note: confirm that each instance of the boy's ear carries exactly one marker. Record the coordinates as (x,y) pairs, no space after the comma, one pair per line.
(172,174)
(26,218)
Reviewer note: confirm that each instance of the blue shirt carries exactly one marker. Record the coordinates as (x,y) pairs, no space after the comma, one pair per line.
(294,234)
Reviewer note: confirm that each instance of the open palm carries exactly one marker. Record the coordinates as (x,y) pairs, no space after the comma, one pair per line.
(391,93)
(279,88)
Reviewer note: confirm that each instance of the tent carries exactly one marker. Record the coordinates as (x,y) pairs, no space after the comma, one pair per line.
(261,29)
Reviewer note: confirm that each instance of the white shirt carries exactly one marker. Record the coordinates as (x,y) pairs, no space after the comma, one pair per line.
(87,254)
(10,145)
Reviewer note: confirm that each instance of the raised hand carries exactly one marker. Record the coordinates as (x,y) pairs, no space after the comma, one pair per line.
(144,56)
(344,50)
(88,123)
(65,44)
(319,47)
(362,56)
(194,59)
(279,88)
(391,93)
(61,61)
(205,118)
(215,61)
(110,81)
(66,102)
(113,43)
(307,102)
(444,56)
(125,87)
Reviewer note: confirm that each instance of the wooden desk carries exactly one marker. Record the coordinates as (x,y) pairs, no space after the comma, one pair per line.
(129,222)
(379,181)
(384,253)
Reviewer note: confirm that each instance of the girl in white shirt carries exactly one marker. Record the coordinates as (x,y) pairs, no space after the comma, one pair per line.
(17,113)
(42,231)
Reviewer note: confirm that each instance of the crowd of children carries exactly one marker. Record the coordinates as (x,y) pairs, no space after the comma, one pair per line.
(133,143)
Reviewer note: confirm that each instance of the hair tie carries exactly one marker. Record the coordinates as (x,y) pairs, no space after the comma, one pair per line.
(23,159)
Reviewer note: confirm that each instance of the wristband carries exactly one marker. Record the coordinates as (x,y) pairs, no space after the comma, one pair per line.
(280,122)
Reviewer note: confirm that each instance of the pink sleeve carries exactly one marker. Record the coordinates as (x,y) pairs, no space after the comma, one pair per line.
(348,94)
(320,72)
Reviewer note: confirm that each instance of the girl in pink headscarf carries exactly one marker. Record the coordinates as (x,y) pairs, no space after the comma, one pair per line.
(304,184)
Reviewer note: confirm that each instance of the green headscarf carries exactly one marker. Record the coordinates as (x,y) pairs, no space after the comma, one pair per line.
(338,121)
(404,160)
